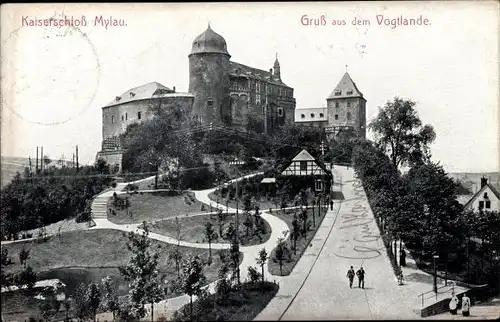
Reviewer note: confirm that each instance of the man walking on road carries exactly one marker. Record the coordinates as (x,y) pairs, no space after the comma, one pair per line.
(361,277)
(350,275)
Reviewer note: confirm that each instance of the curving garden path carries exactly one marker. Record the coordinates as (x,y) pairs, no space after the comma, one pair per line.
(250,253)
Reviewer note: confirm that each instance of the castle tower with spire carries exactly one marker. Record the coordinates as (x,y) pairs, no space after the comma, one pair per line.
(277,72)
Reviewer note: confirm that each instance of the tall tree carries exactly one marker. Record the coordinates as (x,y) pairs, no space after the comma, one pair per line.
(109,296)
(399,132)
(262,260)
(93,298)
(142,272)
(193,279)
(211,235)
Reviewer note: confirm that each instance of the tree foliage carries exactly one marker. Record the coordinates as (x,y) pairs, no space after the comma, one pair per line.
(400,133)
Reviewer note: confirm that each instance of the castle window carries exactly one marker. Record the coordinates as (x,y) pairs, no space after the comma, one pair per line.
(348,115)
(336,116)
(312,115)
(126,116)
(123,118)
(349,92)
(338,93)
(210,102)
(348,104)
(488,204)
(336,104)
(263,109)
(280,111)
(302,116)
(258,87)
(112,119)
(257,100)
(321,115)
(139,115)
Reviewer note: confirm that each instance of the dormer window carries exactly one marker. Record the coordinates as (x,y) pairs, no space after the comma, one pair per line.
(132,94)
(349,92)
(338,92)
(302,116)
(485,196)
(118,98)
(321,115)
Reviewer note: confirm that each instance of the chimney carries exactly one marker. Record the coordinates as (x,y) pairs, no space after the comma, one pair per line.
(484,182)
(174,89)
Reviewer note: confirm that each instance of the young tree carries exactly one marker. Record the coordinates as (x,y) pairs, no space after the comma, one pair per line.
(234,253)
(193,279)
(49,305)
(223,287)
(281,252)
(253,274)
(176,254)
(211,235)
(221,216)
(262,260)
(400,133)
(142,272)
(248,223)
(109,296)
(24,255)
(93,299)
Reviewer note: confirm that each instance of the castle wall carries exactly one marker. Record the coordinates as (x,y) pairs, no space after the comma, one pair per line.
(115,119)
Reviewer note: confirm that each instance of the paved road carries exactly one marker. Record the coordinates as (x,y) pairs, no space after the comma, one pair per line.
(355,240)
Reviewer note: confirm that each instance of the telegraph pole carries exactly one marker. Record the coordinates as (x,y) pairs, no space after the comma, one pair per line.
(36,168)
(323,177)
(77,168)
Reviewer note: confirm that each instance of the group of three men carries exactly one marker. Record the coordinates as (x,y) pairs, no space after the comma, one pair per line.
(360,274)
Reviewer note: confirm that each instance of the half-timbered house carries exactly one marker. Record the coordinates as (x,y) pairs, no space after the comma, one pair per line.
(308,172)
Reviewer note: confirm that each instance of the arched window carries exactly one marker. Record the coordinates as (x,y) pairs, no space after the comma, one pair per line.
(280,111)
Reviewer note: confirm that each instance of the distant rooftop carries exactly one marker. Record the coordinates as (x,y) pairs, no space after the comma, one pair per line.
(142,92)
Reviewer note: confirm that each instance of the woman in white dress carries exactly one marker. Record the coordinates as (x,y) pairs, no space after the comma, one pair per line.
(465,305)
(453,304)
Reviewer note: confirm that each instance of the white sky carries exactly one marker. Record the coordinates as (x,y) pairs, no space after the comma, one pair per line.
(50,75)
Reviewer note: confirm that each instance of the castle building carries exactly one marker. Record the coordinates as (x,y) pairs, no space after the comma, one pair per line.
(345,111)
(221,92)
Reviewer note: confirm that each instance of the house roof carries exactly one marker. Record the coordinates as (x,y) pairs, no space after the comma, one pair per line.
(346,84)
(209,42)
(145,91)
(311,114)
(489,185)
(237,69)
(306,156)
(303,156)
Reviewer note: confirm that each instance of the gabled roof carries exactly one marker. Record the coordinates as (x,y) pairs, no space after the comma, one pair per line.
(346,84)
(237,69)
(306,156)
(492,188)
(303,156)
(139,93)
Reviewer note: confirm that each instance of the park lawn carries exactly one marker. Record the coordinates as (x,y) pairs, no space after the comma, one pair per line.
(263,202)
(243,304)
(87,256)
(193,229)
(150,206)
(302,243)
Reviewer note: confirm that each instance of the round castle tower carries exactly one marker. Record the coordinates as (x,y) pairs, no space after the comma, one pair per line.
(209,78)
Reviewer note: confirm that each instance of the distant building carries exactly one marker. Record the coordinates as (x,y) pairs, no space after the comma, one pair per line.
(304,166)
(345,111)
(487,198)
(220,92)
